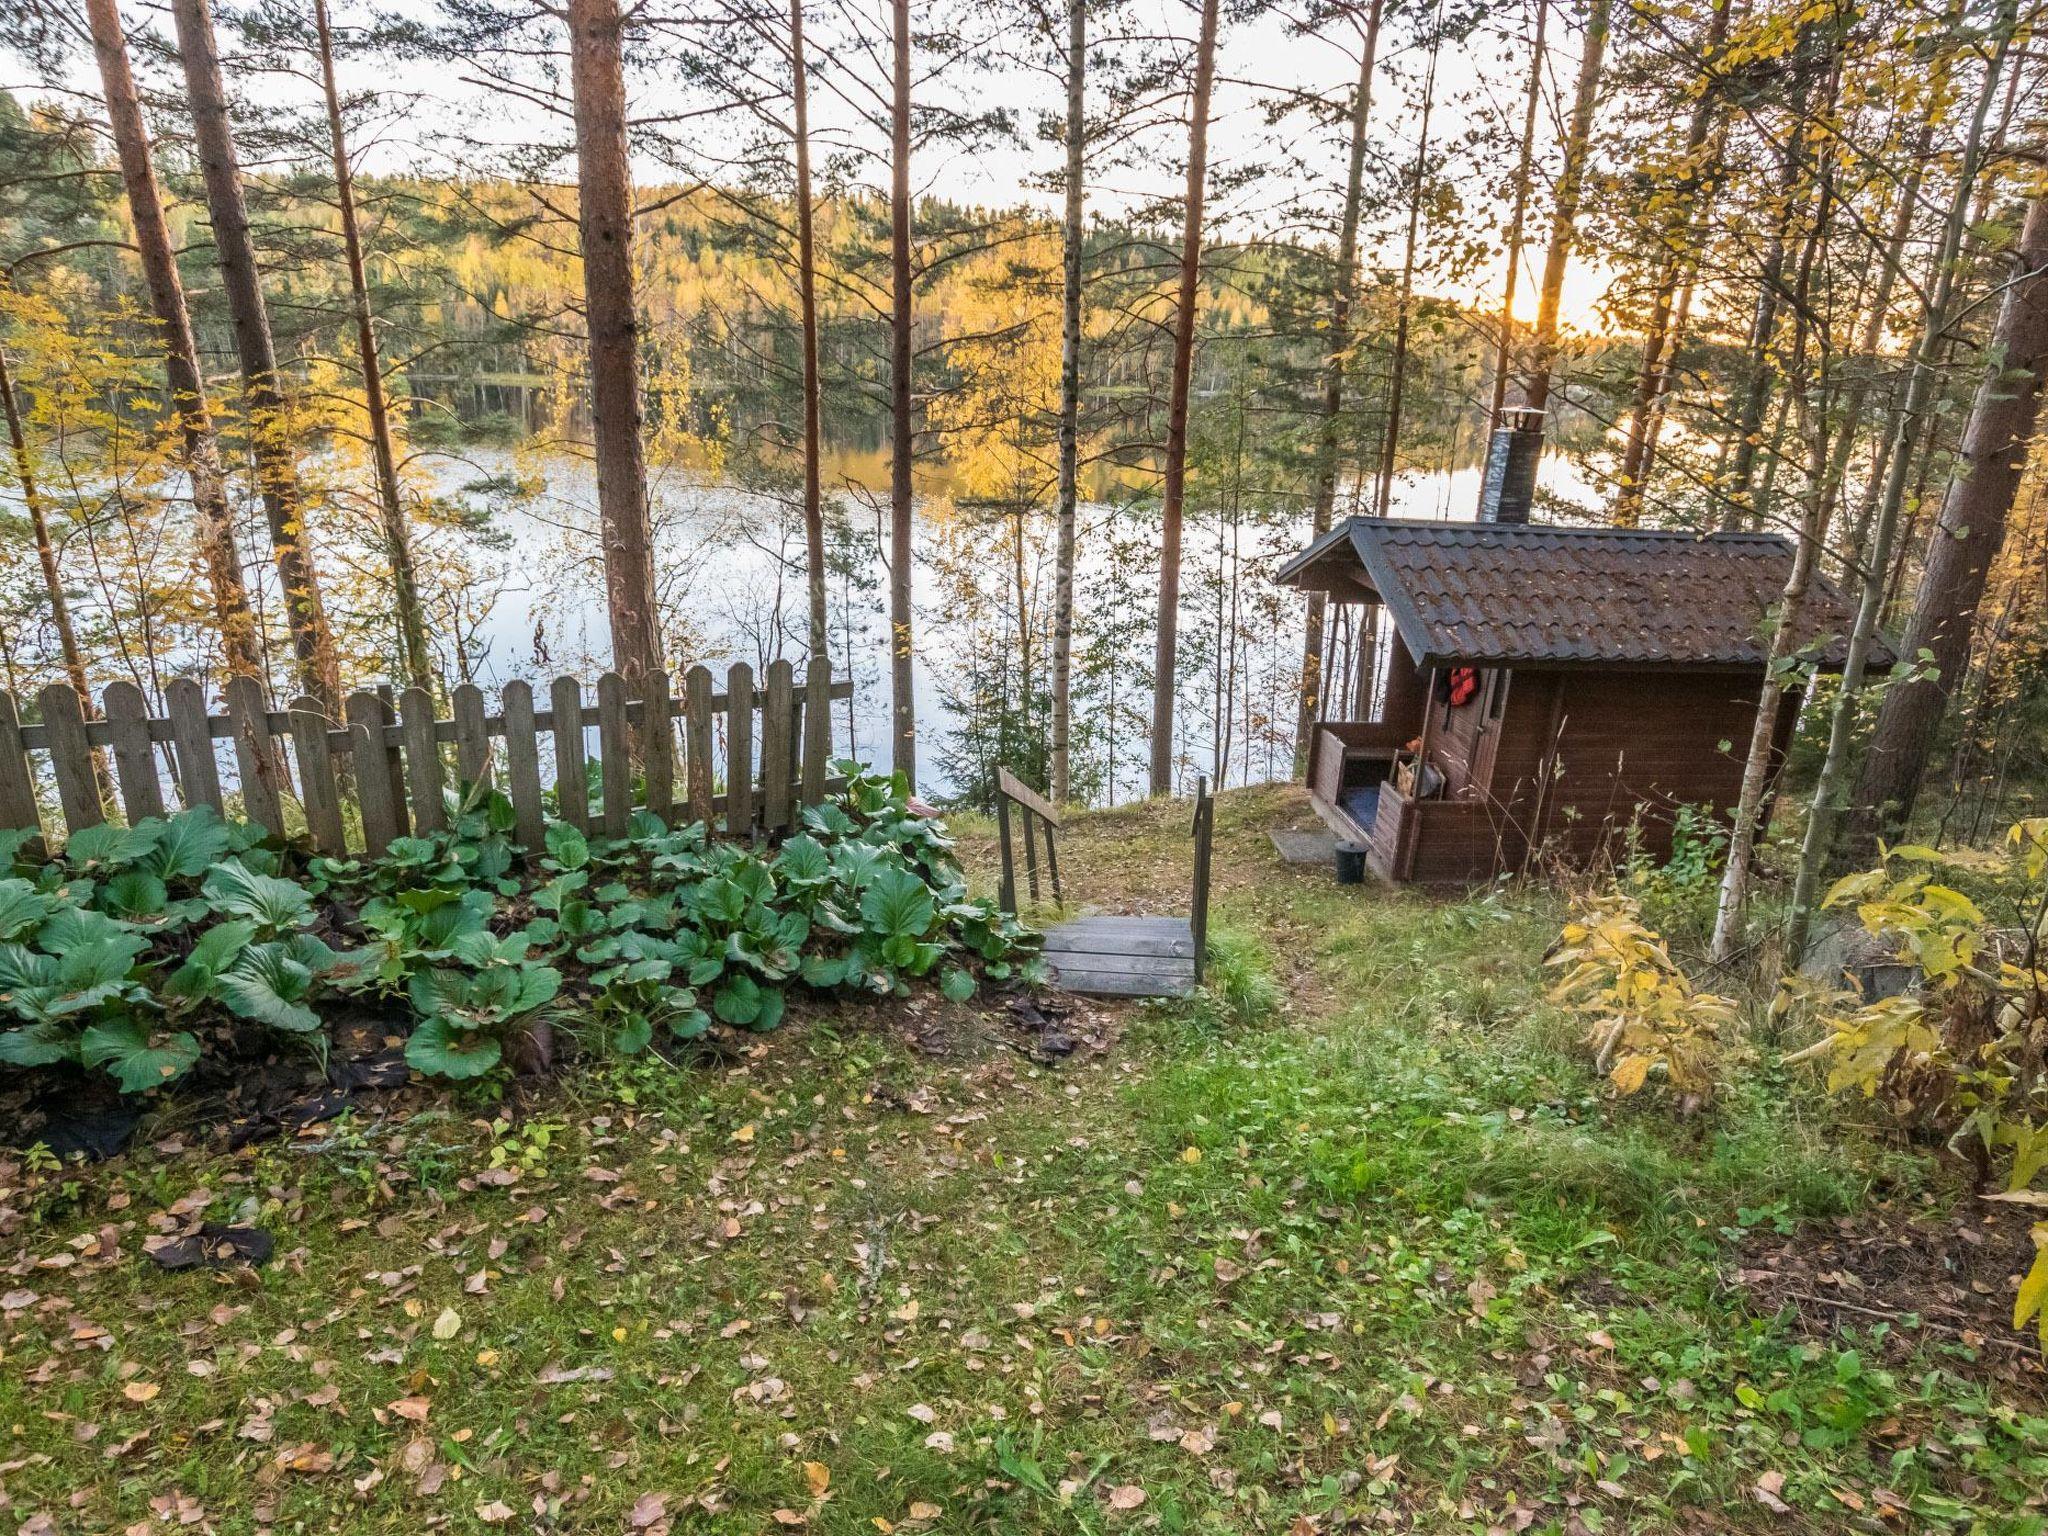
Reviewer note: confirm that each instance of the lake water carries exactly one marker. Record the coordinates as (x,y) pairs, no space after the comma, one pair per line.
(730,567)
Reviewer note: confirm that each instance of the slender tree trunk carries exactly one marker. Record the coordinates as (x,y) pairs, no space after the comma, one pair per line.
(1564,216)
(807,299)
(1343,296)
(1763,329)
(1960,549)
(270,432)
(240,644)
(405,591)
(46,549)
(604,196)
(1808,387)
(1397,366)
(1681,254)
(902,644)
(1504,343)
(1175,491)
(1073,232)
(1873,554)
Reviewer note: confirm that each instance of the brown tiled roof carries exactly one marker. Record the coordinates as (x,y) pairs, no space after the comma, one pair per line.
(1504,593)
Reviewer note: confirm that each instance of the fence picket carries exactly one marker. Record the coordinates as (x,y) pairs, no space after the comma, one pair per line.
(658,746)
(18,808)
(522,765)
(318,793)
(424,775)
(777,729)
(71,756)
(572,783)
(697,728)
(817,745)
(365,713)
(472,741)
(739,750)
(615,754)
(127,714)
(192,738)
(255,756)
(394,761)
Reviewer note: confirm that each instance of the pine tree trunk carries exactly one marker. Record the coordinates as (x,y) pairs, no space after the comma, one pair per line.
(1660,343)
(1073,233)
(1337,359)
(414,656)
(1504,343)
(1564,216)
(240,645)
(1175,491)
(1960,549)
(807,300)
(270,432)
(902,642)
(605,221)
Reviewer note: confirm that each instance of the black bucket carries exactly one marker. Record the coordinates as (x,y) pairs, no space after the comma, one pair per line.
(1351,863)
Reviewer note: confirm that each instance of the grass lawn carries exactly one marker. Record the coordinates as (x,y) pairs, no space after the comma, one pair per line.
(1385,1257)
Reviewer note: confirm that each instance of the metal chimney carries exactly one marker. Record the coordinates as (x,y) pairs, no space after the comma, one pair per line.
(1509,489)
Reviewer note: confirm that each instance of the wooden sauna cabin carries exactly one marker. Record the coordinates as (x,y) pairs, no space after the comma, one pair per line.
(1534,688)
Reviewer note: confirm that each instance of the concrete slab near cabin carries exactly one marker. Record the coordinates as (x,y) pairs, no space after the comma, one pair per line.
(1315,847)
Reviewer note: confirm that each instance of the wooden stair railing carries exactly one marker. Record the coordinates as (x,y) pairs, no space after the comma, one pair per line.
(1011,790)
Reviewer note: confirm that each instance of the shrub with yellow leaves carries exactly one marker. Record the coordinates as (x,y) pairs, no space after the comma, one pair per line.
(1970,1046)
(1645,1015)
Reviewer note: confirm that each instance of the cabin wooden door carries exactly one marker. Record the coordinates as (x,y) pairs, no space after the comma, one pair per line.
(1493,707)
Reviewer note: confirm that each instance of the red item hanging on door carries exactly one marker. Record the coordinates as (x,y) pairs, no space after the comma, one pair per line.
(1461,687)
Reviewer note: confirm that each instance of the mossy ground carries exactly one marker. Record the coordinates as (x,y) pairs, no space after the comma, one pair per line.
(1385,1257)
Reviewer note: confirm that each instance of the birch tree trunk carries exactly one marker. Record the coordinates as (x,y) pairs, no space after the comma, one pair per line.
(1175,491)
(604,197)
(240,645)
(902,645)
(1960,549)
(1073,232)
(270,432)
(1343,296)
(1564,215)
(405,592)
(1879,526)
(46,549)
(1397,365)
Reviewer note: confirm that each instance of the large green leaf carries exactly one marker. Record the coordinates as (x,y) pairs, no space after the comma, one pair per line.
(39,1045)
(897,904)
(213,952)
(138,1059)
(22,908)
(191,843)
(567,848)
(272,986)
(441,1049)
(274,905)
(803,864)
(106,847)
(135,894)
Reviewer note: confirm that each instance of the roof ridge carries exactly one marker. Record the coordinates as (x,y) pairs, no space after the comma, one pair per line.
(1468,525)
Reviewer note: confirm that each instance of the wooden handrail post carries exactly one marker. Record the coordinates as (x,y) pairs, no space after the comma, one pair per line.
(1007,897)
(1205,828)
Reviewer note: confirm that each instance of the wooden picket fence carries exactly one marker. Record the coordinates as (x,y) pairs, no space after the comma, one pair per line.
(392,762)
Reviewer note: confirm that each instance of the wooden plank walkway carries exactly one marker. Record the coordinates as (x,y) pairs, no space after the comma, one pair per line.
(1123,956)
